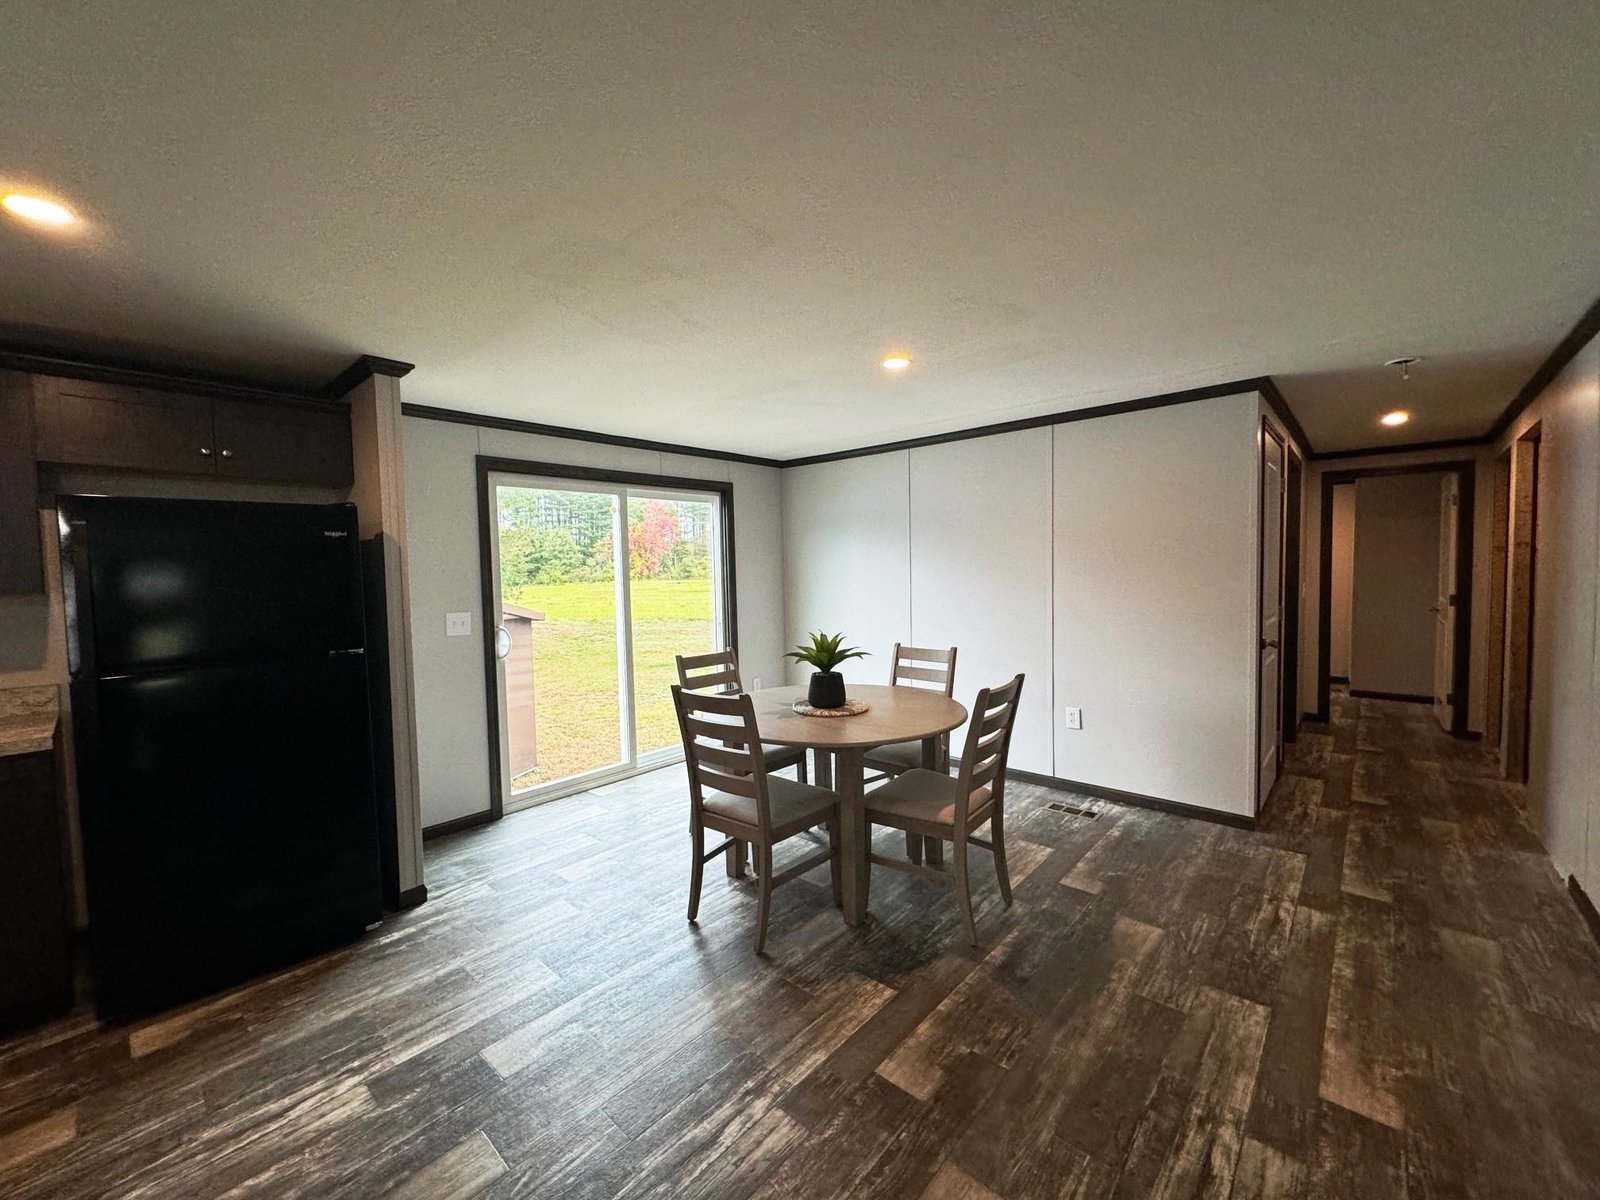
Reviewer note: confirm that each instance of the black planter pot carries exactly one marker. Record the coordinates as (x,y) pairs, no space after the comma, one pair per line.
(826,691)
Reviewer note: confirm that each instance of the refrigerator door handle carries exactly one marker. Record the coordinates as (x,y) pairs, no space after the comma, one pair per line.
(358,650)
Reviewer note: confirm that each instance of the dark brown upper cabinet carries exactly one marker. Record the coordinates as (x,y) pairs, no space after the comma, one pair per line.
(109,425)
(85,423)
(282,443)
(21,559)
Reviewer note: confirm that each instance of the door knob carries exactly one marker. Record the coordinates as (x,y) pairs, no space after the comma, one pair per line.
(502,641)
(227,454)
(206,450)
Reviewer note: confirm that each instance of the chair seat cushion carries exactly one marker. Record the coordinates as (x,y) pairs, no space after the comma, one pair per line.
(793,804)
(923,796)
(895,757)
(779,757)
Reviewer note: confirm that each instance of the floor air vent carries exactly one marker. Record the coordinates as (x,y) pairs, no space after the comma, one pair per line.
(1057,806)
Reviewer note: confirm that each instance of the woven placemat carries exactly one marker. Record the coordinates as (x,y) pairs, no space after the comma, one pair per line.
(852,708)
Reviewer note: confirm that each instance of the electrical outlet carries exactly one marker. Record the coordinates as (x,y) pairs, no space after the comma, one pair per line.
(458,624)
(1074,718)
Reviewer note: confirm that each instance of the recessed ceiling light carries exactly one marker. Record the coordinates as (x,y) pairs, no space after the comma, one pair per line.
(1398,417)
(37,209)
(896,362)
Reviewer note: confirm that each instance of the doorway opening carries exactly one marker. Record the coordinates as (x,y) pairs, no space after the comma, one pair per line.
(592,582)
(1396,586)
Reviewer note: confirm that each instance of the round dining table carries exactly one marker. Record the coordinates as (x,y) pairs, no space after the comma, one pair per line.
(894,714)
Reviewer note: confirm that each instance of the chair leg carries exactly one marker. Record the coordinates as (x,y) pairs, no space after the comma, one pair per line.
(735,857)
(933,851)
(801,771)
(997,834)
(835,862)
(696,871)
(764,867)
(914,848)
(964,890)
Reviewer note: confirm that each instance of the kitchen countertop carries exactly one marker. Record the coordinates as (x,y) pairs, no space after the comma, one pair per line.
(28,717)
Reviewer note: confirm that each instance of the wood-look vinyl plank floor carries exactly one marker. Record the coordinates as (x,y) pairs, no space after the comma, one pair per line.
(1382,991)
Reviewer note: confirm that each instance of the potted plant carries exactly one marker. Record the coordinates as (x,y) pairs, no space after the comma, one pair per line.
(825,654)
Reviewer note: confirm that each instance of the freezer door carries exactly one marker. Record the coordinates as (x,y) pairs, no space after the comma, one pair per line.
(229,824)
(172,583)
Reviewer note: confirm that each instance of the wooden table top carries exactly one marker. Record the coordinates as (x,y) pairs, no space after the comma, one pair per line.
(896,714)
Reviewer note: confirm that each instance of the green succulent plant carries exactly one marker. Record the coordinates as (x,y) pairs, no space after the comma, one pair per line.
(824,652)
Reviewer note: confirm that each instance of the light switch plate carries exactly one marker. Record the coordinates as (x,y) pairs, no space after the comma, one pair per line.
(458,624)
(1074,718)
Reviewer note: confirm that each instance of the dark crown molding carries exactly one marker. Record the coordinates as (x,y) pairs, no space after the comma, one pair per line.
(1268,388)
(1144,404)
(37,360)
(1403,448)
(457,417)
(363,369)
(1566,350)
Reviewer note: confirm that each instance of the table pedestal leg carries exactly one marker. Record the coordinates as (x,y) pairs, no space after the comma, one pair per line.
(824,767)
(853,836)
(736,860)
(932,760)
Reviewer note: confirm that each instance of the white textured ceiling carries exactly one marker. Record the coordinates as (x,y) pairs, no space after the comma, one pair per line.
(704,223)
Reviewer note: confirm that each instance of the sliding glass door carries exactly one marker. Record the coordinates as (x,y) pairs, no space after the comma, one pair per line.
(595,587)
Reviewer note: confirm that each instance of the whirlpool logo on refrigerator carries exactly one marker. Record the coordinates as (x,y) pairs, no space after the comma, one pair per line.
(335,533)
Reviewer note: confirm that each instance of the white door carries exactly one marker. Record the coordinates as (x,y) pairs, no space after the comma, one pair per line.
(1270,688)
(1444,607)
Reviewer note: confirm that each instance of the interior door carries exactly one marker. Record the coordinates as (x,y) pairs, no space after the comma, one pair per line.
(1444,607)
(1270,684)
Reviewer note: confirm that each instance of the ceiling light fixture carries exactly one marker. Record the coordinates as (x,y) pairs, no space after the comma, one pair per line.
(896,362)
(1398,417)
(1405,362)
(38,210)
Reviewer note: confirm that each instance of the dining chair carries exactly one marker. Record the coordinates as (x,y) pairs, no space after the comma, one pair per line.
(732,793)
(907,670)
(719,671)
(935,805)
(916,666)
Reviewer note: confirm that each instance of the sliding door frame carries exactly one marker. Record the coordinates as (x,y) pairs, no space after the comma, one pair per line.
(487,466)
(1465,471)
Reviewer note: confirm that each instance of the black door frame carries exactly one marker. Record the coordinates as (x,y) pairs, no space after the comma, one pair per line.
(1465,472)
(488,465)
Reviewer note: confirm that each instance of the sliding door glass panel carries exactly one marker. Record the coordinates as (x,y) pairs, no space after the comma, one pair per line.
(675,590)
(561,636)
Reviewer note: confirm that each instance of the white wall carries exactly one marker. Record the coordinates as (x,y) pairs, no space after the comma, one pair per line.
(1563,784)
(442,516)
(1396,584)
(847,558)
(1342,572)
(1113,561)
(980,550)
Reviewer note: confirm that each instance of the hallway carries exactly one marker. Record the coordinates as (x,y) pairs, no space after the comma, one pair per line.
(1384,991)
(1455,982)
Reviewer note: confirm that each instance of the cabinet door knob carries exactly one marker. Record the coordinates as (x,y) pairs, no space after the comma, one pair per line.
(206,450)
(227,454)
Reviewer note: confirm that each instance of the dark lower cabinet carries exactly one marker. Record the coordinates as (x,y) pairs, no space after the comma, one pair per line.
(35,907)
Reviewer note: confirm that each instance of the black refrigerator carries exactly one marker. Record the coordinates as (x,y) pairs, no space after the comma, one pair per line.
(223,744)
